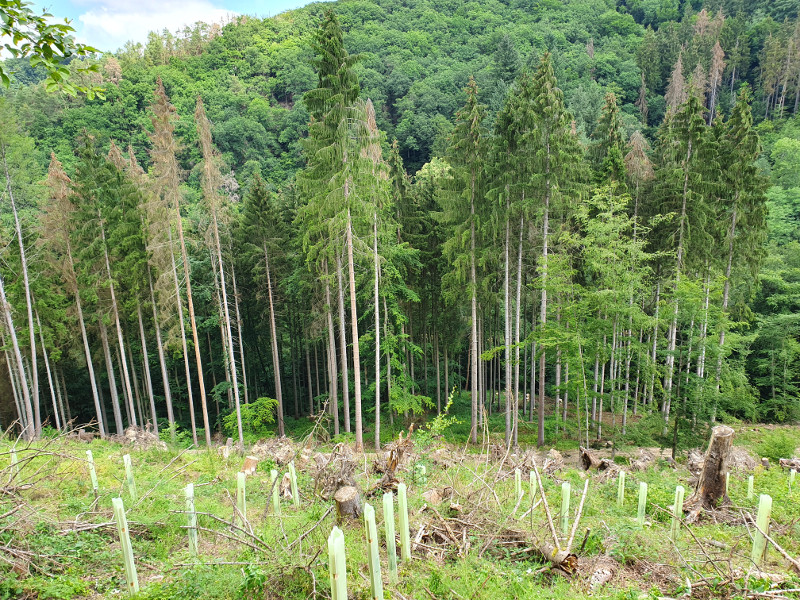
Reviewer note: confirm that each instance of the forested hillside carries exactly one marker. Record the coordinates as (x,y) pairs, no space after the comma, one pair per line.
(582,214)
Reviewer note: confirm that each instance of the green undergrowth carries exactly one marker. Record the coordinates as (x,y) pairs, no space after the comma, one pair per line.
(67,546)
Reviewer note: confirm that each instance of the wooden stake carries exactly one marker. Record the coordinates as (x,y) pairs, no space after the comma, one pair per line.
(276,497)
(189,490)
(373,557)
(405,534)
(388,523)
(677,512)
(125,541)
(621,489)
(762,521)
(93,474)
(642,503)
(337,565)
(129,477)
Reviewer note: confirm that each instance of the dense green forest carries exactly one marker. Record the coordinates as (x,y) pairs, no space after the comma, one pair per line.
(583,214)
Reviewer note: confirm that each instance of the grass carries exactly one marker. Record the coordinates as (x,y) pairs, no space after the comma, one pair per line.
(56,556)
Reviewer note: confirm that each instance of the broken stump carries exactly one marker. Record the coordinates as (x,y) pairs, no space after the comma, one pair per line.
(710,490)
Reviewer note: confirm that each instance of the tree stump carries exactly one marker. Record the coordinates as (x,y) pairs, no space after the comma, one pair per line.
(710,489)
(348,502)
(588,460)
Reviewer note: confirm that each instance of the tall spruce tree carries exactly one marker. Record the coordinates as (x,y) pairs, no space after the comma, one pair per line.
(465,207)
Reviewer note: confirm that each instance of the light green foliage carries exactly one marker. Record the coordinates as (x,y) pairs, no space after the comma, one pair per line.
(776,445)
(256,418)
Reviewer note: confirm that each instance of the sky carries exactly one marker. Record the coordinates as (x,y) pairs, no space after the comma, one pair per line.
(108,24)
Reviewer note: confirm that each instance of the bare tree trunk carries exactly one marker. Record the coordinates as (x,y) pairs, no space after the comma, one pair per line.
(146,363)
(446,372)
(276,359)
(227,317)
(115,312)
(507,326)
(310,382)
(517,337)
(543,315)
(28,430)
(195,337)
(438,372)
(378,338)
(49,374)
(354,327)
(140,410)
(673,330)
(112,380)
(184,345)
(33,396)
(15,385)
(473,279)
(162,362)
(343,347)
(239,332)
(388,363)
(725,297)
(332,371)
(102,426)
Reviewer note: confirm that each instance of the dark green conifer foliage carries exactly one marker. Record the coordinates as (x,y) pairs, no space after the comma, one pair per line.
(609,143)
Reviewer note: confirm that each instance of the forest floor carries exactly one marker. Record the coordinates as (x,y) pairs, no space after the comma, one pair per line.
(471,536)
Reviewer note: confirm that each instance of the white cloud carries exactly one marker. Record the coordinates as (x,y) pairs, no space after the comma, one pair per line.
(108,24)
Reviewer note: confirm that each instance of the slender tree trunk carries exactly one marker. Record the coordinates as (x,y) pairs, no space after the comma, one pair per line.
(87,352)
(473,279)
(343,346)
(162,362)
(227,318)
(354,327)
(184,345)
(725,297)
(34,392)
(135,380)
(651,396)
(310,381)
(60,397)
(112,380)
(507,326)
(239,331)
(195,337)
(517,338)
(28,429)
(146,364)
(673,330)
(115,312)
(543,315)
(388,363)
(377,338)
(276,359)
(438,372)
(332,371)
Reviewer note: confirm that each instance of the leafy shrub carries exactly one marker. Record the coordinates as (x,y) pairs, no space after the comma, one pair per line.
(256,419)
(777,445)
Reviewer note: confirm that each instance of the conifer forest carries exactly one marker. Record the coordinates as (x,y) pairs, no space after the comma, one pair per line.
(585,216)
(499,226)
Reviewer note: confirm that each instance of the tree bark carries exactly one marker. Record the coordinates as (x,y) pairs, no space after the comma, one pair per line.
(710,489)
(184,345)
(343,347)
(276,359)
(332,371)
(195,337)
(377,338)
(146,363)
(162,362)
(34,392)
(112,380)
(354,327)
(239,328)
(28,430)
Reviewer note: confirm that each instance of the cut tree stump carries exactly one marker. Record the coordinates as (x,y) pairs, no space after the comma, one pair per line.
(249,466)
(710,490)
(588,460)
(348,502)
